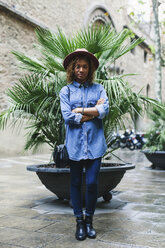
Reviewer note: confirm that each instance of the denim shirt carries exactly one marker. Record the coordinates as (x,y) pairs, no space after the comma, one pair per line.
(84,140)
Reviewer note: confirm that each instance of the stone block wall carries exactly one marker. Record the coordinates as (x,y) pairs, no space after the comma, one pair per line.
(15,35)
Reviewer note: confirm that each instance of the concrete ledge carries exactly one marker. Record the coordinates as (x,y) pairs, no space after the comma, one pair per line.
(20,16)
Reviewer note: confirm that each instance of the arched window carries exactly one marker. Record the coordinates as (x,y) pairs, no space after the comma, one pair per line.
(98,14)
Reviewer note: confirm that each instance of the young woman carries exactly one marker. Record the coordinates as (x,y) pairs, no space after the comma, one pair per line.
(83,104)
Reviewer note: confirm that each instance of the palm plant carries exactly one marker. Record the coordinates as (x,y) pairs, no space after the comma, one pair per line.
(35,98)
(156,134)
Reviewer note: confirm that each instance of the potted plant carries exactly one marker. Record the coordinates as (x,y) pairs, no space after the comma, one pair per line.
(35,98)
(154,149)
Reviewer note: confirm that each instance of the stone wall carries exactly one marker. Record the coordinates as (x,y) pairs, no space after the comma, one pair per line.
(15,35)
(12,144)
(18,34)
(69,14)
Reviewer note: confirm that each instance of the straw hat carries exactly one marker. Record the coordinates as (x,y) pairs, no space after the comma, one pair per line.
(77,52)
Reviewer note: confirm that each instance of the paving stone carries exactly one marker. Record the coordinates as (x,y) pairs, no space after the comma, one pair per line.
(86,243)
(9,246)
(27,239)
(144,208)
(149,240)
(56,217)
(18,211)
(60,227)
(151,217)
(31,216)
(159,228)
(23,223)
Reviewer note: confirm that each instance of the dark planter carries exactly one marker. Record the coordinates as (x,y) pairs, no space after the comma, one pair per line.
(157,158)
(57,180)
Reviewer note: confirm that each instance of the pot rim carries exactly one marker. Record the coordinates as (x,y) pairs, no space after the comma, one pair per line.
(155,152)
(121,167)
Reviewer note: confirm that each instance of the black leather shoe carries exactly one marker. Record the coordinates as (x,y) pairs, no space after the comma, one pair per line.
(90,231)
(80,229)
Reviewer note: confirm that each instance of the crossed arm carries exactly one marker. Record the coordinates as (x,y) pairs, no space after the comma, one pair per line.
(89,113)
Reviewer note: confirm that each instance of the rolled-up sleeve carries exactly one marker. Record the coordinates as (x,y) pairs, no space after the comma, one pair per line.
(68,115)
(103,109)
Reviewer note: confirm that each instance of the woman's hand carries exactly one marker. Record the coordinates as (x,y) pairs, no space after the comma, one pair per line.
(92,111)
(77,110)
(86,118)
(80,110)
(100,101)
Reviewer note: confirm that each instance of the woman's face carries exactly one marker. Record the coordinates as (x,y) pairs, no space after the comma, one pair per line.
(81,70)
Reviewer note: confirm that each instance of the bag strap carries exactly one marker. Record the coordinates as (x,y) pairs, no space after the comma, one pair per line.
(68,91)
(61,119)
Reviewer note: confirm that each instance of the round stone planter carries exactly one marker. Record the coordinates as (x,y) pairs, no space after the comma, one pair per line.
(157,158)
(57,180)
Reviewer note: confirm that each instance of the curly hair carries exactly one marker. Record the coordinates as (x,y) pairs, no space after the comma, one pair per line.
(71,67)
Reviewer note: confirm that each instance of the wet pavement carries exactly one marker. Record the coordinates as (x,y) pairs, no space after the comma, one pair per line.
(32,217)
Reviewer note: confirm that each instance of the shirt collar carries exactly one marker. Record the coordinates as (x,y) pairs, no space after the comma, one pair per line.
(78,85)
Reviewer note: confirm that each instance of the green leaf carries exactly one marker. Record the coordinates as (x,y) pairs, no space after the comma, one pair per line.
(29,64)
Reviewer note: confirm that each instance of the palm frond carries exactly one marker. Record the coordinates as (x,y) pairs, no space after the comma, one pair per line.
(56,44)
(96,39)
(117,48)
(123,49)
(52,63)
(30,64)
(35,98)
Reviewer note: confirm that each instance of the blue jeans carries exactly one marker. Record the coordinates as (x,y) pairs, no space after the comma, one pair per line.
(92,168)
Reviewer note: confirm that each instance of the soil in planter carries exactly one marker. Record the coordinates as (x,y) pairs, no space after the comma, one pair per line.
(49,166)
(52,165)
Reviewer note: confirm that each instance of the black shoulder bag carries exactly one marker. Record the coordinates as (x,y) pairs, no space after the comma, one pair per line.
(60,153)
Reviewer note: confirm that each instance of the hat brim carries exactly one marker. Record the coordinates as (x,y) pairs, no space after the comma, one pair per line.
(70,56)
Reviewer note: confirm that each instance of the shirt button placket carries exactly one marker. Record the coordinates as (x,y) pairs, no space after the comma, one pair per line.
(85,132)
